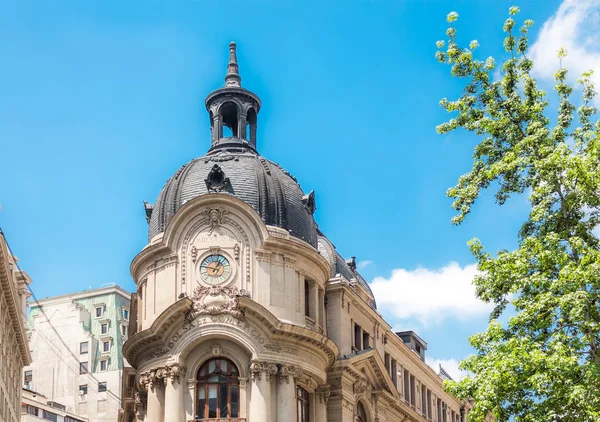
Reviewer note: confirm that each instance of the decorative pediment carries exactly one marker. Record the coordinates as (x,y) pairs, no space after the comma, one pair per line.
(372,370)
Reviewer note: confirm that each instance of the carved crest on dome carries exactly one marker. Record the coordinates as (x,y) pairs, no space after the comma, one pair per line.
(215,219)
(215,300)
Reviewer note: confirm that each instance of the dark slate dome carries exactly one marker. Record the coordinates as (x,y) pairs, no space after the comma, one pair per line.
(265,186)
(232,166)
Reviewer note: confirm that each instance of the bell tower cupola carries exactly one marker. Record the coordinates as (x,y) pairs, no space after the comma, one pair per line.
(233,110)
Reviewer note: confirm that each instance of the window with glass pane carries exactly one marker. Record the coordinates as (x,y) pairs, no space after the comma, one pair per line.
(362,413)
(302,404)
(218,389)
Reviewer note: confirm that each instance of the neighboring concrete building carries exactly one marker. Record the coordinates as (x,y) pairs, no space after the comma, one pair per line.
(86,378)
(246,311)
(36,407)
(14,350)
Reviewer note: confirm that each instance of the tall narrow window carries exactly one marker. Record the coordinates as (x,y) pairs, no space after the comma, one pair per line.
(423,400)
(429,404)
(386,360)
(302,404)
(365,341)
(394,372)
(361,413)
(406,386)
(83,347)
(306,298)
(412,391)
(218,390)
(357,337)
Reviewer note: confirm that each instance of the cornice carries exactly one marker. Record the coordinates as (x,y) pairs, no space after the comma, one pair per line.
(145,339)
(10,293)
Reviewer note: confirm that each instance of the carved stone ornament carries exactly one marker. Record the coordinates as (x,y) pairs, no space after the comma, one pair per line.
(257,368)
(215,219)
(323,392)
(236,252)
(139,402)
(289,371)
(361,387)
(174,373)
(194,254)
(217,300)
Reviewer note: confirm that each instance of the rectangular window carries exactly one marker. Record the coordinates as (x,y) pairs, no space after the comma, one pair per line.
(357,336)
(106,346)
(124,330)
(104,328)
(28,376)
(83,389)
(103,365)
(394,372)
(101,387)
(365,340)
(444,412)
(406,386)
(306,299)
(386,360)
(83,347)
(423,400)
(49,416)
(412,391)
(429,404)
(99,311)
(83,367)
(126,314)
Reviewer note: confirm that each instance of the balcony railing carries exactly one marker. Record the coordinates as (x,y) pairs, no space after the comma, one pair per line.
(219,420)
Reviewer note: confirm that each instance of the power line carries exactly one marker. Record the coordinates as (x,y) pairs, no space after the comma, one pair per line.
(50,323)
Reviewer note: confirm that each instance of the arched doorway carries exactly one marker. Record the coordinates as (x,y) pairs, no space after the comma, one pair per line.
(218,390)
(361,413)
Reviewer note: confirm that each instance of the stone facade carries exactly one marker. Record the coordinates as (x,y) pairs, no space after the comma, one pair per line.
(247,313)
(93,324)
(14,350)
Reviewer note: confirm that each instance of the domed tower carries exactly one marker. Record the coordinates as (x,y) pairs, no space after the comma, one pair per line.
(231,279)
(233,166)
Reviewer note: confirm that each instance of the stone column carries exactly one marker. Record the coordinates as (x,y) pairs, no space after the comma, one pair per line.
(322,394)
(155,411)
(260,396)
(174,405)
(286,392)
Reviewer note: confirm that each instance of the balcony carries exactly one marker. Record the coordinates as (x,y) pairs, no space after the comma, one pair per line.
(219,420)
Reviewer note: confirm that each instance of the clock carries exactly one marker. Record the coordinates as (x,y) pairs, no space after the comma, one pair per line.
(215,269)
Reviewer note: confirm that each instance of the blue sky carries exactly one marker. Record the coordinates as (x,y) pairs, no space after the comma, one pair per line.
(102,101)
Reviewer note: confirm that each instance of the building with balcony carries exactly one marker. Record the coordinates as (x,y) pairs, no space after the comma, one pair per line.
(244,309)
(36,407)
(14,350)
(80,365)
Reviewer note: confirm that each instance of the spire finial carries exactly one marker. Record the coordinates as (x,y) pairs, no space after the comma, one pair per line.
(233,76)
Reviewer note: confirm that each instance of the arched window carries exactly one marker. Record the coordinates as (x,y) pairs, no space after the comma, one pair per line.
(362,413)
(302,404)
(229,116)
(218,390)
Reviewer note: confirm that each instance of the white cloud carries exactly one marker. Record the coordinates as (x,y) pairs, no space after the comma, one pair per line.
(574,26)
(430,295)
(449,365)
(596,232)
(363,264)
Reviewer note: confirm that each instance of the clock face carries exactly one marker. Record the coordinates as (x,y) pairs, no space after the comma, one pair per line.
(215,269)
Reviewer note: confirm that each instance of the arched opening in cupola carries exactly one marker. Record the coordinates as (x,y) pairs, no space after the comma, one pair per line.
(251,126)
(229,120)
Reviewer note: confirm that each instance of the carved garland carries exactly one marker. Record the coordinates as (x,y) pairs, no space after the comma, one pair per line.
(216,300)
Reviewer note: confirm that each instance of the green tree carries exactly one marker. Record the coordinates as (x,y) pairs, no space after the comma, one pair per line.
(543,364)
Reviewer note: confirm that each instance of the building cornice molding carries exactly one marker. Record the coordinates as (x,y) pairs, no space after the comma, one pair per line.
(150,337)
(12,299)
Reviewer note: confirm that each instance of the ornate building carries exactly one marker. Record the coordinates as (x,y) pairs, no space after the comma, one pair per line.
(14,350)
(246,312)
